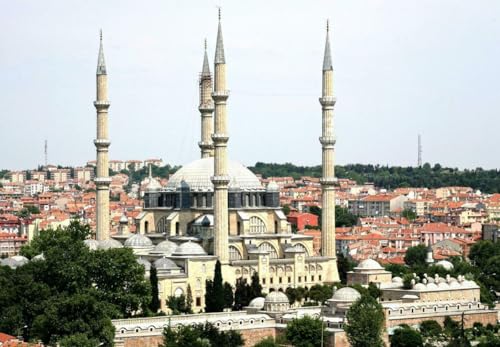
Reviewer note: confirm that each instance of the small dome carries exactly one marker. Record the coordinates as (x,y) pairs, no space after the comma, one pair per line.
(397,279)
(138,241)
(419,286)
(145,263)
(39,257)
(165,264)
(431,286)
(454,284)
(12,263)
(369,264)
(272,187)
(189,248)
(20,259)
(109,244)
(467,283)
(276,297)
(443,285)
(92,244)
(257,303)
(166,247)
(346,294)
(445,264)
(123,219)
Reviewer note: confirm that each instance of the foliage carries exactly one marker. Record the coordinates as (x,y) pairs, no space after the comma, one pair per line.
(214,291)
(344,265)
(409,214)
(320,293)
(154,306)
(286,209)
(241,294)
(71,295)
(306,332)
(365,322)
(255,287)
(200,335)
(430,328)
(397,270)
(228,295)
(406,337)
(178,304)
(415,256)
(344,218)
(267,342)
(391,177)
(407,281)
(189,299)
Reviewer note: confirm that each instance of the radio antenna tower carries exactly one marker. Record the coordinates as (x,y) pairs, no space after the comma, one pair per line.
(46,153)
(419,150)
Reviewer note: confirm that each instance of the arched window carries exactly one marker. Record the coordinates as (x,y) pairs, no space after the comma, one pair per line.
(161,225)
(303,248)
(257,225)
(146,227)
(234,253)
(267,247)
(178,292)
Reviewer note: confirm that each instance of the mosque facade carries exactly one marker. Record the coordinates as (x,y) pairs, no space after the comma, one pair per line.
(216,209)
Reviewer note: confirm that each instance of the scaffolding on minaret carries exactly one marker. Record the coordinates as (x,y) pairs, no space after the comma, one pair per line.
(419,150)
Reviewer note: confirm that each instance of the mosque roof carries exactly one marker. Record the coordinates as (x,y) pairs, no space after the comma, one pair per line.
(276,297)
(347,294)
(189,248)
(369,264)
(138,241)
(166,247)
(197,176)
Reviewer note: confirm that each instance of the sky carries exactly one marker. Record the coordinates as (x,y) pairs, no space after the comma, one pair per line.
(401,68)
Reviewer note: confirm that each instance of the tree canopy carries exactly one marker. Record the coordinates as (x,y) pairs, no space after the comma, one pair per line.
(200,335)
(365,322)
(306,332)
(73,293)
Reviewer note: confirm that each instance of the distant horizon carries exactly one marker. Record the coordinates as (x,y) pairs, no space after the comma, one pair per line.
(401,68)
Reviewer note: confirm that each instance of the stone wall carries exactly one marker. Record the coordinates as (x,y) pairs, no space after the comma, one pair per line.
(470,318)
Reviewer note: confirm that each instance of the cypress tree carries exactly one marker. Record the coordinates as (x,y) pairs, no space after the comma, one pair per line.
(255,287)
(241,294)
(218,289)
(209,296)
(189,300)
(228,295)
(155,297)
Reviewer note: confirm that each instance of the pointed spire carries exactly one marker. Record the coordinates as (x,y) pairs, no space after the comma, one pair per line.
(206,67)
(101,65)
(327,59)
(219,49)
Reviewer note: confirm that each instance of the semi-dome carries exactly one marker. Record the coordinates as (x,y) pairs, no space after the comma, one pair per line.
(138,241)
(189,249)
(369,264)
(197,176)
(166,247)
(276,297)
(109,244)
(257,303)
(92,244)
(445,264)
(346,294)
(165,264)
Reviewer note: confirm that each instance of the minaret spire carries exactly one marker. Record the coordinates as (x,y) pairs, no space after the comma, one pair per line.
(328,180)
(220,139)
(206,108)
(102,143)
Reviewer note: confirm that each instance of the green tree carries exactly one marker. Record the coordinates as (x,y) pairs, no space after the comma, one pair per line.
(155,296)
(241,294)
(228,295)
(344,265)
(291,293)
(267,342)
(430,329)
(409,214)
(415,256)
(218,289)
(209,296)
(178,304)
(286,209)
(306,332)
(255,287)
(365,323)
(320,293)
(406,337)
(344,218)
(189,299)
(200,335)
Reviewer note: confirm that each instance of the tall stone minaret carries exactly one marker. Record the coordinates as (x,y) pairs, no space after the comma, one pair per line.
(327,140)
(102,143)
(206,109)
(220,138)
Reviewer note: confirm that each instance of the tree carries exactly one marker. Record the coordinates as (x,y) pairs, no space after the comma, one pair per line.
(218,289)
(344,265)
(178,304)
(200,335)
(255,287)
(267,342)
(344,218)
(430,329)
(409,214)
(365,322)
(306,332)
(291,293)
(406,337)
(286,209)
(320,293)
(374,291)
(155,297)
(241,294)
(415,256)
(189,299)
(228,295)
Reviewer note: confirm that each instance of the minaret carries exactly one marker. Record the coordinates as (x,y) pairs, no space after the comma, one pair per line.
(102,143)
(206,109)
(327,140)
(220,138)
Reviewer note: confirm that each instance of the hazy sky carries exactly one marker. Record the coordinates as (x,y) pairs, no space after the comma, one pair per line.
(401,68)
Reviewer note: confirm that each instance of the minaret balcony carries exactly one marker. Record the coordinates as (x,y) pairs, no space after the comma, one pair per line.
(207,145)
(207,108)
(328,141)
(102,181)
(220,95)
(327,101)
(101,104)
(102,143)
(220,180)
(328,181)
(220,138)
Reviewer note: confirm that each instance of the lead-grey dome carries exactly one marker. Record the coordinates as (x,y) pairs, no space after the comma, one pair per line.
(166,247)
(197,176)
(92,244)
(369,264)
(109,244)
(165,264)
(138,241)
(346,294)
(276,297)
(257,303)
(445,264)
(189,248)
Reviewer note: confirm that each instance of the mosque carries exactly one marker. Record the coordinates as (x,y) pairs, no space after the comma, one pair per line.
(215,208)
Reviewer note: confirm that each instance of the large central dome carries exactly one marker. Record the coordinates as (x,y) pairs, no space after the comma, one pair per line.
(196,175)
